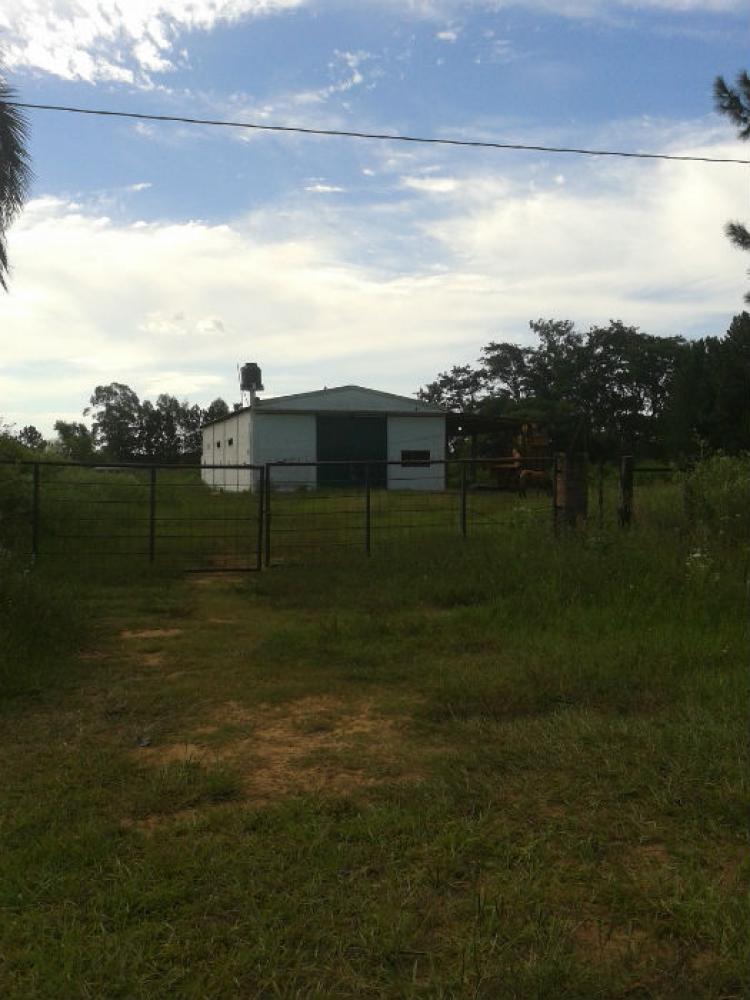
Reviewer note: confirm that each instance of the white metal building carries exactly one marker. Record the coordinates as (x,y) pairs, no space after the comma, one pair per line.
(346,424)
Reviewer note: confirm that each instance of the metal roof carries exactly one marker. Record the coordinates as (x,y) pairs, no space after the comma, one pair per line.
(288,404)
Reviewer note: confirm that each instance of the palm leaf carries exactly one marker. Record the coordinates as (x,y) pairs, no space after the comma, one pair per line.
(15,169)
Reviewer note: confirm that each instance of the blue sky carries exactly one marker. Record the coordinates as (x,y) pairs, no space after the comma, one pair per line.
(162,255)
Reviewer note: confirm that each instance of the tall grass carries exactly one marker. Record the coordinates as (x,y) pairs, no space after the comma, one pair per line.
(555,797)
(42,624)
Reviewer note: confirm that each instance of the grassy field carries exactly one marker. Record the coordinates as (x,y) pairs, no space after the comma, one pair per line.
(510,767)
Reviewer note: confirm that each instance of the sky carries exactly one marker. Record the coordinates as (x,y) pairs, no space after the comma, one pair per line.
(163,255)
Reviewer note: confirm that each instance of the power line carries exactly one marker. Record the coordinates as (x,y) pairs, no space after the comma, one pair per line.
(430,140)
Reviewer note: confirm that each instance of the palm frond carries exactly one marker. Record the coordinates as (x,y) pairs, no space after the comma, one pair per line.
(15,169)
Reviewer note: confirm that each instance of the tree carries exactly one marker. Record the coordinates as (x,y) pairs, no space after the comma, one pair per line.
(215,411)
(616,378)
(31,437)
(734,102)
(709,405)
(118,424)
(457,389)
(75,441)
(15,170)
(165,431)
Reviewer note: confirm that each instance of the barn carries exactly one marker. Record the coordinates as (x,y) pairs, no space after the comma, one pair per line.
(345,424)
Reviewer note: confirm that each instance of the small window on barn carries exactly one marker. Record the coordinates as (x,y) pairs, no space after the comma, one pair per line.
(230,442)
(415,458)
(218,444)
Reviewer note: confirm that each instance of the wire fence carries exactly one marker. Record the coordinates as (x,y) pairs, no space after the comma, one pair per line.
(316,507)
(240,517)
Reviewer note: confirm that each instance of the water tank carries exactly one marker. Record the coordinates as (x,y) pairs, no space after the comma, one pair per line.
(251,379)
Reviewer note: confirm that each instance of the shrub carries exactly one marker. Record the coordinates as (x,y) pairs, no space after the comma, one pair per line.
(717,494)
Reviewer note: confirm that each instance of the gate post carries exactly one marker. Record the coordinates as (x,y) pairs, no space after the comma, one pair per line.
(368,498)
(571,488)
(267,505)
(261,488)
(625,510)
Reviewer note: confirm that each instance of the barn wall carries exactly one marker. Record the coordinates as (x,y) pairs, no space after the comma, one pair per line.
(259,437)
(416,434)
(217,450)
(286,437)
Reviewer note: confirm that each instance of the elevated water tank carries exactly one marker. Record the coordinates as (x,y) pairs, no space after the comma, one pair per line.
(251,379)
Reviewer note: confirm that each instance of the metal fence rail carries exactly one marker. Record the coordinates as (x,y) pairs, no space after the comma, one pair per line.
(239,517)
(83,512)
(316,507)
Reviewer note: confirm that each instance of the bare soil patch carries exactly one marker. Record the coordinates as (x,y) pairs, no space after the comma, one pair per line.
(152,659)
(595,939)
(314,744)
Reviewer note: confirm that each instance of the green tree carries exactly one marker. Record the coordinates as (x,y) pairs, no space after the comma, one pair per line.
(215,411)
(457,389)
(734,102)
(118,421)
(75,441)
(15,170)
(613,379)
(31,438)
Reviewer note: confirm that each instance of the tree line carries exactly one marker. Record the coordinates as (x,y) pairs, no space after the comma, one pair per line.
(650,395)
(126,429)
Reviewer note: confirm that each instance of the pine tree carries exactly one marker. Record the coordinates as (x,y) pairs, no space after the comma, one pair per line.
(734,102)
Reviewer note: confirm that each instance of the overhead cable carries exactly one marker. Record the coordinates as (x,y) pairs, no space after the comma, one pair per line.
(383,136)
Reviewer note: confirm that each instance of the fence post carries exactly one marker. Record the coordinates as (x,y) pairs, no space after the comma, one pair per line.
(625,510)
(463,499)
(571,490)
(267,478)
(261,489)
(368,539)
(555,494)
(152,515)
(600,494)
(35,513)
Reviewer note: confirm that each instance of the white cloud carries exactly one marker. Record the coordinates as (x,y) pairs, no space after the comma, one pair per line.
(431,185)
(129,41)
(318,188)
(140,186)
(111,40)
(385,294)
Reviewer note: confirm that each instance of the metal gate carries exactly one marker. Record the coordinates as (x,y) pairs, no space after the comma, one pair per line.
(90,513)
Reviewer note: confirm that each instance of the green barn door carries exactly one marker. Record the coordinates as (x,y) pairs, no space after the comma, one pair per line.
(352,439)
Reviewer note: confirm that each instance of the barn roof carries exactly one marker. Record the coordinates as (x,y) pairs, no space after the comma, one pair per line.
(341,399)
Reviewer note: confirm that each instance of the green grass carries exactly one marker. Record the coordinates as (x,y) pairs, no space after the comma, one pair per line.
(514,766)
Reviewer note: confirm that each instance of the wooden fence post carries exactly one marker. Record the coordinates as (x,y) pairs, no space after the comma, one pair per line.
(152,514)
(625,510)
(463,500)
(571,488)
